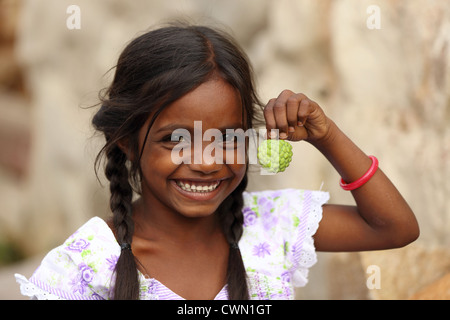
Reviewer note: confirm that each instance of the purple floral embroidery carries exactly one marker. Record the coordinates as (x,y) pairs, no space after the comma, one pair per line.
(277,193)
(82,279)
(265,205)
(78,245)
(152,288)
(87,274)
(278,296)
(266,208)
(261,249)
(286,276)
(112,262)
(96,296)
(249,217)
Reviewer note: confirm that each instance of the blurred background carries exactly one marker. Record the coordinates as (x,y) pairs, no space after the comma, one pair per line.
(380,69)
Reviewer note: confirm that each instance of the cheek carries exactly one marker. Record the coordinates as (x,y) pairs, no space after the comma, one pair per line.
(236,154)
(157,162)
(239,171)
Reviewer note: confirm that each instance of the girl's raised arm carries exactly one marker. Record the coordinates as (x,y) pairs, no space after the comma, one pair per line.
(381,218)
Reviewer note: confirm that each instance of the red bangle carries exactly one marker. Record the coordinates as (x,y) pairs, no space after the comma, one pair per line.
(363,180)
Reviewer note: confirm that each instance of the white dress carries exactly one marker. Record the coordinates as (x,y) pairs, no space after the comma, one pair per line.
(277,248)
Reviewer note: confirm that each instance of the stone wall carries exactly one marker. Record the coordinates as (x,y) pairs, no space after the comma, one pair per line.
(387,88)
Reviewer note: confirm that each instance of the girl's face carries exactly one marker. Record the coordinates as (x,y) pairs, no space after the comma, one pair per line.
(192,189)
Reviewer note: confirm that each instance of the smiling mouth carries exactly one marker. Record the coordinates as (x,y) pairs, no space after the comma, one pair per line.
(198,187)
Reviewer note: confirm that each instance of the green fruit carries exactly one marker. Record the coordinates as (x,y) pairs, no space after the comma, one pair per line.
(275,155)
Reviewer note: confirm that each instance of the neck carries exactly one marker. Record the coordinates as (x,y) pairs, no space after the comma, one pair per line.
(157,223)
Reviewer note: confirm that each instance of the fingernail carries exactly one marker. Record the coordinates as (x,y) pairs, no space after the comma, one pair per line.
(291,129)
(300,124)
(283,135)
(272,135)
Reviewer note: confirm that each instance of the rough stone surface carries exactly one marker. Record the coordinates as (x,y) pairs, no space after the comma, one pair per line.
(438,290)
(408,270)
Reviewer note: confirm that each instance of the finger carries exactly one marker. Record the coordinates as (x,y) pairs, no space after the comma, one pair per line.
(293,105)
(304,110)
(269,117)
(279,111)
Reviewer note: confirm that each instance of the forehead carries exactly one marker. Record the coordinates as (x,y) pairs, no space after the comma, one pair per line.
(216,103)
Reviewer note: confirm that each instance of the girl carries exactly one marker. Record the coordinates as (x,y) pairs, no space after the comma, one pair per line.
(193,232)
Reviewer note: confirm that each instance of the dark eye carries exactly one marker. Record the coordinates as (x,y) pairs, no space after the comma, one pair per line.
(232,139)
(180,136)
(229,138)
(177,137)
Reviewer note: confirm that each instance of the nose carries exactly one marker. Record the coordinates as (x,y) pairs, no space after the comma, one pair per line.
(205,159)
(205,168)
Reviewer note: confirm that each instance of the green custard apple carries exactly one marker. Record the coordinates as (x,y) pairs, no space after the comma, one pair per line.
(275,155)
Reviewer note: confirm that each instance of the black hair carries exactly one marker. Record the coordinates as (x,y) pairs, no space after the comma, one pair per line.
(154,70)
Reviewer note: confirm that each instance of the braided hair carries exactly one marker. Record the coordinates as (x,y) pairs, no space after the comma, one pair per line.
(153,71)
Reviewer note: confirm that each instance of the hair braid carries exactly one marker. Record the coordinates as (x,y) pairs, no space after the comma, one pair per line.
(120,203)
(232,220)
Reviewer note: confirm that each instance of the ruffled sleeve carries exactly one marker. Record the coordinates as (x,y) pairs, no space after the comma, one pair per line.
(278,243)
(80,269)
(302,255)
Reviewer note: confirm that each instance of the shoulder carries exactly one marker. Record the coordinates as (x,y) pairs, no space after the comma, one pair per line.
(276,208)
(81,268)
(278,233)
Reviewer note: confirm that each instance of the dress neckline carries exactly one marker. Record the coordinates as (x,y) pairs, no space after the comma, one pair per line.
(145,278)
(223,293)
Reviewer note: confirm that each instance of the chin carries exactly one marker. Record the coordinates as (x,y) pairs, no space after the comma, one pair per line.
(197,214)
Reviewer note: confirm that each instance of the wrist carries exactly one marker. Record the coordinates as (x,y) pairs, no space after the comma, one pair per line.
(349,161)
(328,138)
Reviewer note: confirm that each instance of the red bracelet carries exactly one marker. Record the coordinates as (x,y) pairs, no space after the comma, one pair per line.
(361,181)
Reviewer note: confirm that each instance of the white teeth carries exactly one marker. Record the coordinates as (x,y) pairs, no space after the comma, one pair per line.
(191,187)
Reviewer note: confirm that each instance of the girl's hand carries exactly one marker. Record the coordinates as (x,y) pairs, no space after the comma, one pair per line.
(296,117)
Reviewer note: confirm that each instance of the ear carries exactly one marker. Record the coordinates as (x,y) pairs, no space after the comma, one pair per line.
(124,145)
